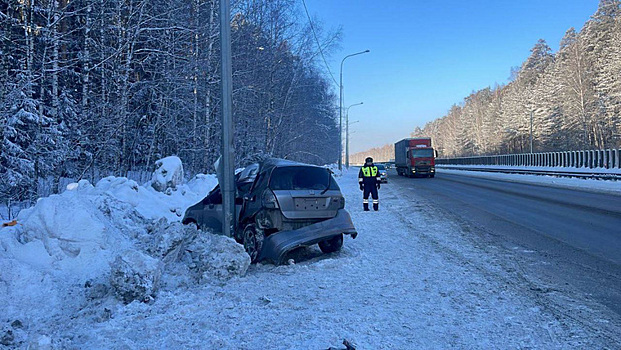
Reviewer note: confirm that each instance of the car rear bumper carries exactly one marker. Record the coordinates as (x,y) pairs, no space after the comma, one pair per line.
(277,245)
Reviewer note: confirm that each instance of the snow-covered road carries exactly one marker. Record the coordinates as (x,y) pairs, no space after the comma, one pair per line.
(410,280)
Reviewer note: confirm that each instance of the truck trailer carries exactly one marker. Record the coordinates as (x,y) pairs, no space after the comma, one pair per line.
(415,157)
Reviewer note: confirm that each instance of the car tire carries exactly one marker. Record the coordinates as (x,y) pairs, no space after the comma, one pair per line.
(192,223)
(253,242)
(332,245)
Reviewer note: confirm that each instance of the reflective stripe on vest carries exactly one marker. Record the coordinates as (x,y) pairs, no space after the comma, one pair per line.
(368,171)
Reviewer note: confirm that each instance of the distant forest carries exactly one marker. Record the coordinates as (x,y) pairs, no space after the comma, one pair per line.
(574,96)
(90,88)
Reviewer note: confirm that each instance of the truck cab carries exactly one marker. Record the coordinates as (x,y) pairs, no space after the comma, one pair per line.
(422,162)
(415,157)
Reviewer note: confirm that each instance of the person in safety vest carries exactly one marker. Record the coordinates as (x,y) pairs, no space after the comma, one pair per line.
(369,180)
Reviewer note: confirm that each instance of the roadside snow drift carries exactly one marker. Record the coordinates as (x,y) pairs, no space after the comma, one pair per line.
(105,245)
(110,267)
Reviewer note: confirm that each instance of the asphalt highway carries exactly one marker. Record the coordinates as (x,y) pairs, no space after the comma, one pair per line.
(569,240)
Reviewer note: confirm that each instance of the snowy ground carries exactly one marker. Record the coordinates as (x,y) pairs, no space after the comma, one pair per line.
(607,186)
(616,170)
(410,280)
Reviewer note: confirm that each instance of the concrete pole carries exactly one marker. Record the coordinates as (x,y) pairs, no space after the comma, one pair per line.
(341,117)
(228,166)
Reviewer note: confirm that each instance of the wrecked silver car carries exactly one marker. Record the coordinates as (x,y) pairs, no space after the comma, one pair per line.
(281,205)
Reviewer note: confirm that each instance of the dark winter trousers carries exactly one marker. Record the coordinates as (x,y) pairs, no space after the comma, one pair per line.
(372,189)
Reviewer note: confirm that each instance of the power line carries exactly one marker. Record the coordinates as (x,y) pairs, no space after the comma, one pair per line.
(317,41)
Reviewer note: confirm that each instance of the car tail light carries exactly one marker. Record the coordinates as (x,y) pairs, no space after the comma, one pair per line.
(269,199)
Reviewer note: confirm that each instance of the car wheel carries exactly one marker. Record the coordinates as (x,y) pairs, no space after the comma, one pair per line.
(192,223)
(332,245)
(253,242)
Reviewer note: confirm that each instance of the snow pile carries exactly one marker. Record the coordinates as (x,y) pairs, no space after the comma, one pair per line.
(135,276)
(153,204)
(111,244)
(213,257)
(168,174)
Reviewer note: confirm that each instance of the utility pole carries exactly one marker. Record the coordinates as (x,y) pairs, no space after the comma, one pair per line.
(228,174)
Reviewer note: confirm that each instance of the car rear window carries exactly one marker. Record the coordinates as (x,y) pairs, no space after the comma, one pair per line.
(301,178)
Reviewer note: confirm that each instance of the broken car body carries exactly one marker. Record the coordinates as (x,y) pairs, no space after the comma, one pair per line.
(280,205)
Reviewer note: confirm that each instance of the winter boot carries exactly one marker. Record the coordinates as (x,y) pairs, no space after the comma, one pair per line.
(365,205)
(375,205)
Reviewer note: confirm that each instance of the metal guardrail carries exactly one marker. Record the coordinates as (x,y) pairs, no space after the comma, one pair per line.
(558,173)
(590,159)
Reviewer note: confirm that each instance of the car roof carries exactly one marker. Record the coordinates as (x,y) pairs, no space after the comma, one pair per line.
(280,163)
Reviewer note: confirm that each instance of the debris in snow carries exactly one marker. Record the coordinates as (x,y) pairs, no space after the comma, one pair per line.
(168,174)
(348,345)
(12,334)
(135,276)
(217,257)
(291,262)
(10,223)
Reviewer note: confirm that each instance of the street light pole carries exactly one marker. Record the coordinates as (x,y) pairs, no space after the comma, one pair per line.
(341,107)
(228,171)
(347,133)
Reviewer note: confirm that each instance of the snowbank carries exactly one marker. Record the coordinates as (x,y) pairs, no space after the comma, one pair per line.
(591,185)
(105,245)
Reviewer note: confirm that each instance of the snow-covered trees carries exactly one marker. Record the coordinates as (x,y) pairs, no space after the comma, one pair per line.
(90,88)
(574,97)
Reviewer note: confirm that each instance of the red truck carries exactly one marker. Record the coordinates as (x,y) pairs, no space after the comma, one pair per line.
(415,157)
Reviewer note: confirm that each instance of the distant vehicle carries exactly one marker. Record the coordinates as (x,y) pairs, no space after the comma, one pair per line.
(415,157)
(280,205)
(381,169)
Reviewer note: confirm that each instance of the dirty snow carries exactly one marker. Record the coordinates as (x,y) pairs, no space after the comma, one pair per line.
(410,280)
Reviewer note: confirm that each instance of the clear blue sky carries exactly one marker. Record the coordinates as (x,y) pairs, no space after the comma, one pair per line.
(427,55)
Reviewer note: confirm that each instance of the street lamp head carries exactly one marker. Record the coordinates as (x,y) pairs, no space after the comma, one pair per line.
(368,50)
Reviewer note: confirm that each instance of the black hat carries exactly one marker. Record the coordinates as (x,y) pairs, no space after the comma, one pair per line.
(368,160)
